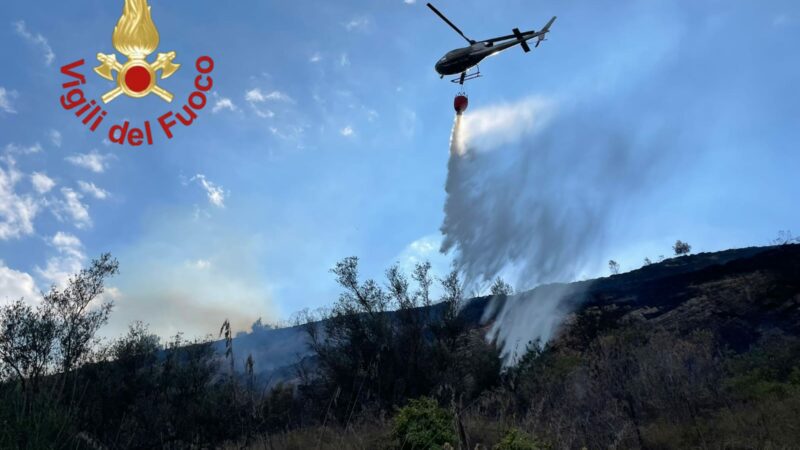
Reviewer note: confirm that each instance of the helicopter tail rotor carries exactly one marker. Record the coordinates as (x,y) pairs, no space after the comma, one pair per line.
(521,40)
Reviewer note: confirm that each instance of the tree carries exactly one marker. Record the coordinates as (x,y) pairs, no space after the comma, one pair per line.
(371,356)
(62,327)
(76,321)
(613,266)
(785,237)
(647,261)
(354,344)
(681,248)
(27,340)
(453,294)
(500,287)
(39,348)
(424,280)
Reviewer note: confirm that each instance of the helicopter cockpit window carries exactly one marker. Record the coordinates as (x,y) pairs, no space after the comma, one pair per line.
(454,54)
(457,52)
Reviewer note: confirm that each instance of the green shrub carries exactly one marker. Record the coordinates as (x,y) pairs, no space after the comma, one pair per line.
(517,440)
(422,424)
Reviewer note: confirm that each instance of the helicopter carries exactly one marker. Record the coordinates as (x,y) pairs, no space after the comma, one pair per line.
(461,60)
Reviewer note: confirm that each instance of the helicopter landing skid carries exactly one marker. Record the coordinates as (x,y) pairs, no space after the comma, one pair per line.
(466,77)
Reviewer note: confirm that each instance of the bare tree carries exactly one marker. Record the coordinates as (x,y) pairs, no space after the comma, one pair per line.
(613,266)
(424,280)
(785,237)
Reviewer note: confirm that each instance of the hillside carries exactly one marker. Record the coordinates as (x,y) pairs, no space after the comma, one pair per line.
(740,294)
(696,351)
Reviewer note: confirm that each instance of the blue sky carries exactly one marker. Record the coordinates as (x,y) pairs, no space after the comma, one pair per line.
(327,136)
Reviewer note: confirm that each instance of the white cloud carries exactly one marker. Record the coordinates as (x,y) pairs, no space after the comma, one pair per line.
(111,293)
(69,260)
(15,285)
(425,246)
(357,23)
(347,131)
(68,244)
(409,2)
(93,161)
(55,137)
(73,209)
(93,190)
(344,60)
(424,249)
(216,194)
(5,100)
(16,211)
(289,132)
(36,39)
(21,150)
(258,96)
(200,264)
(264,114)
(41,182)
(315,58)
(223,103)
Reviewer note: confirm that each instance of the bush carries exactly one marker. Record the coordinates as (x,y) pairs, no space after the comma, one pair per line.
(517,440)
(422,424)
(682,248)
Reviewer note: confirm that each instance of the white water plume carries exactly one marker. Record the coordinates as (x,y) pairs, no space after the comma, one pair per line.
(531,194)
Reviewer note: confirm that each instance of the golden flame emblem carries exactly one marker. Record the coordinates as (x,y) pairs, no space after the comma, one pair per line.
(136,37)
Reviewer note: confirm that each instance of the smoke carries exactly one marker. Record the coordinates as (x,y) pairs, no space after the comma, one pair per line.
(195,273)
(533,188)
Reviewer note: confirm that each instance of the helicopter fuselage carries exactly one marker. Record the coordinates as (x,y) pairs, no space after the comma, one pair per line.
(462,59)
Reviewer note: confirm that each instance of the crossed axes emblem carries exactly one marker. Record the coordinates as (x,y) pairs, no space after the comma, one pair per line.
(137,77)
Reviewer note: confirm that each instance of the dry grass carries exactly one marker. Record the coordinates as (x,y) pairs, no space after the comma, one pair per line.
(481,433)
(361,437)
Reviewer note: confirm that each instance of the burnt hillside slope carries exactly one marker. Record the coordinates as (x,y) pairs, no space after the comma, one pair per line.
(739,294)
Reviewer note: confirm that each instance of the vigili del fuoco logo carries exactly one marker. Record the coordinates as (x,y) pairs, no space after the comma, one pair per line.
(136,37)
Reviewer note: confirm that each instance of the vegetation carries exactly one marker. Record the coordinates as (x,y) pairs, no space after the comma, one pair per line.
(785,237)
(500,287)
(392,368)
(517,440)
(422,424)
(681,248)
